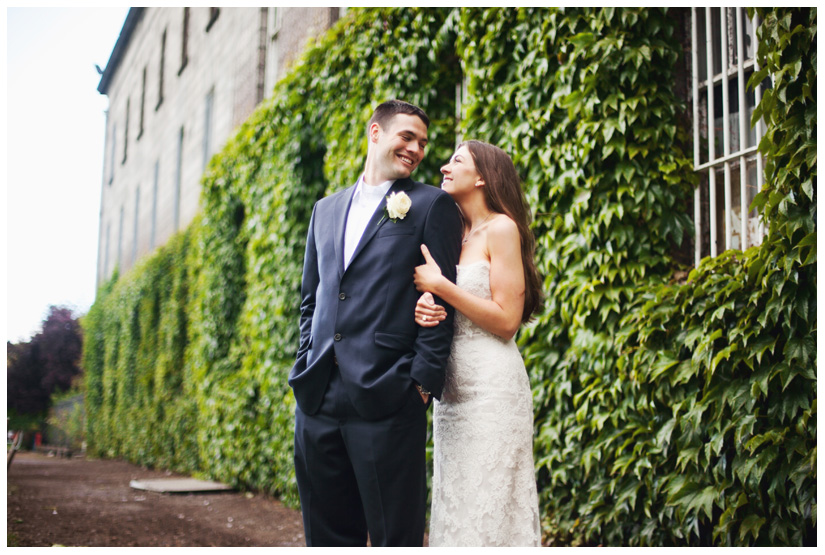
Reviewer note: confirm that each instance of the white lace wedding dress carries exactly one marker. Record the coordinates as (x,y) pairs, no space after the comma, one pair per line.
(484,486)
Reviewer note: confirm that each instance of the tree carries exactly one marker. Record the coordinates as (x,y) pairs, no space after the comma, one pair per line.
(45,365)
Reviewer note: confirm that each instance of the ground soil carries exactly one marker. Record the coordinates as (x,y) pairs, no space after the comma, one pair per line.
(84,502)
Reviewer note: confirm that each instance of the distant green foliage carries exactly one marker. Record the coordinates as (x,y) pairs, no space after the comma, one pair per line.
(667,413)
(138,403)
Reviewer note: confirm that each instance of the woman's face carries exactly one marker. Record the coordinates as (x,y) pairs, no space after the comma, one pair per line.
(460,173)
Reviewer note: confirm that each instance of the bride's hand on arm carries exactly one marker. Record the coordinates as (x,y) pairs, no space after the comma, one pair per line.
(428,277)
(500,315)
(427,313)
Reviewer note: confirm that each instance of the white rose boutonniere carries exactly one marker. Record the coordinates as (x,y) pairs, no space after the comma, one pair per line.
(398,204)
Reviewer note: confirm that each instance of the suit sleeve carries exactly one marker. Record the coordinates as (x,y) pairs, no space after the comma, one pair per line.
(309,286)
(442,235)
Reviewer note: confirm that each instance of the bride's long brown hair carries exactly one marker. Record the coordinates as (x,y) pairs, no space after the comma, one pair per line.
(503,194)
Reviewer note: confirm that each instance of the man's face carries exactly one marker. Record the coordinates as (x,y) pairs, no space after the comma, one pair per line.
(399,148)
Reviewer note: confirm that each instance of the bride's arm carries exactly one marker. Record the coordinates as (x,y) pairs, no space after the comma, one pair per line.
(502,314)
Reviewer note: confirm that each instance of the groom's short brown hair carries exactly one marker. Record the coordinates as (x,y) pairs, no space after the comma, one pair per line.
(389,109)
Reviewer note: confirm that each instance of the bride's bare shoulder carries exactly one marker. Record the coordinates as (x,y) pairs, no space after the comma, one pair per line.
(502,230)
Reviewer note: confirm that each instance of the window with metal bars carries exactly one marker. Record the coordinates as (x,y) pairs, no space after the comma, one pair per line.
(724,142)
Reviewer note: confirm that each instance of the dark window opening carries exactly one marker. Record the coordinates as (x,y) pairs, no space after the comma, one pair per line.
(184,56)
(213,16)
(142,104)
(162,64)
(126,132)
(112,157)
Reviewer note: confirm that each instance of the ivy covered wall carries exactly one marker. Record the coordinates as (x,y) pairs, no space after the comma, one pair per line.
(667,412)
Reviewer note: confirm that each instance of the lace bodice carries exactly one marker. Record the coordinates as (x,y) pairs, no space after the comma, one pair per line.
(473,278)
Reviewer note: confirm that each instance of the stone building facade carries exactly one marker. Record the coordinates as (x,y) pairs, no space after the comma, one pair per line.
(179,82)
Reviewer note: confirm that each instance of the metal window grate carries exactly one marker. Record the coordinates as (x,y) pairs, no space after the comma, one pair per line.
(724,144)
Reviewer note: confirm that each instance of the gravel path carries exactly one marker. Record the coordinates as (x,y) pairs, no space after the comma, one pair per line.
(81,502)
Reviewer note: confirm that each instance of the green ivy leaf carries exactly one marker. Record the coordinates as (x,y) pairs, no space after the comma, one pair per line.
(751,525)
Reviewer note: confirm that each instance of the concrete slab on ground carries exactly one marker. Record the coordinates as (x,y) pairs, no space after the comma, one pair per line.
(179,485)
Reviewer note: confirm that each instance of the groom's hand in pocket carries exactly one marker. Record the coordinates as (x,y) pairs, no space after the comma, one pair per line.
(425,395)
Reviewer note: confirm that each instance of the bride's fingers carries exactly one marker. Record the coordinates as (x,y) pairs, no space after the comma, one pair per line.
(426,300)
(435,312)
(438,311)
(425,317)
(425,322)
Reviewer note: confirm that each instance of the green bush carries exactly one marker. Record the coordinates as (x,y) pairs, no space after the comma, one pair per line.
(667,412)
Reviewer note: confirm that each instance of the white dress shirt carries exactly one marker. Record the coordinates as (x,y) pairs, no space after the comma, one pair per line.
(365,200)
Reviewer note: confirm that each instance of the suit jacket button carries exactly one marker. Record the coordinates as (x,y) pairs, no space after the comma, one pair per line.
(342,296)
(337,337)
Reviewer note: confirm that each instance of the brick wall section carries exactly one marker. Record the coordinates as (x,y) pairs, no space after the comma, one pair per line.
(299,24)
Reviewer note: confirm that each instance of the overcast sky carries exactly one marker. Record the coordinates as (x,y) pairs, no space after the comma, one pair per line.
(54,122)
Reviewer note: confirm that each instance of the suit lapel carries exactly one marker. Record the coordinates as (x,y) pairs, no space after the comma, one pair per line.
(379,218)
(340,225)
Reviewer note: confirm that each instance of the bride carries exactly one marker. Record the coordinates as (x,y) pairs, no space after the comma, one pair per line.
(484,487)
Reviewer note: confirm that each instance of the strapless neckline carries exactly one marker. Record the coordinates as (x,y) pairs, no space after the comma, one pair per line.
(485,262)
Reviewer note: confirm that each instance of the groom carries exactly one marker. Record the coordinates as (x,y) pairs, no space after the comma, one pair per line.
(365,371)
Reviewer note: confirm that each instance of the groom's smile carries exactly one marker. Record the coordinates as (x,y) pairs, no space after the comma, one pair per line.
(406,160)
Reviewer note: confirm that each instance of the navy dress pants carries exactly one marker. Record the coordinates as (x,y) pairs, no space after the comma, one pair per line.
(358,476)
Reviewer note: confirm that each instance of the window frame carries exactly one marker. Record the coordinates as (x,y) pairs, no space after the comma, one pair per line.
(724,158)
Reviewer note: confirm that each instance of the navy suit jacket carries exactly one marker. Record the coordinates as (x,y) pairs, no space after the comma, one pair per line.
(365,315)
